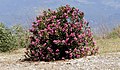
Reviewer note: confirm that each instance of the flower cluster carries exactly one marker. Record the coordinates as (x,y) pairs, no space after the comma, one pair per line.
(61,34)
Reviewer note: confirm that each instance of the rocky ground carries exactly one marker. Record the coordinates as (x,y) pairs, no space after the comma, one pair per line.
(107,61)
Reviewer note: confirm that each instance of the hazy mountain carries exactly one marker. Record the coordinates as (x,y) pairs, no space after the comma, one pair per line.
(24,11)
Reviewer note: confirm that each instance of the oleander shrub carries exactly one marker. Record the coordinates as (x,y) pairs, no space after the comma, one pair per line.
(7,40)
(60,34)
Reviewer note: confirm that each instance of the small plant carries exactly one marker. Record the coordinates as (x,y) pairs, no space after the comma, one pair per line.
(61,34)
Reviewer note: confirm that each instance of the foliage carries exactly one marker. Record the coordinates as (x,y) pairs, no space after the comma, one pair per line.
(21,35)
(13,38)
(115,33)
(61,34)
(7,40)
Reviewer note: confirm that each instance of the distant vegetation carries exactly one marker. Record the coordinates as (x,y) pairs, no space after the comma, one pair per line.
(115,33)
(12,38)
(110,42)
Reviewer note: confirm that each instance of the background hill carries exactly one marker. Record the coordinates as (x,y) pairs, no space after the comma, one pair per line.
(102,12)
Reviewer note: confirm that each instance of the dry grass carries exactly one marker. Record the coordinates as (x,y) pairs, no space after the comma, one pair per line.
(108,45)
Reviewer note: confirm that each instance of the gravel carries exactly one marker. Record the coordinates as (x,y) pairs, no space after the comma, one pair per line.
(107,61)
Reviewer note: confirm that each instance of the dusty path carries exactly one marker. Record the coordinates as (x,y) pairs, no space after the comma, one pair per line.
(108,61)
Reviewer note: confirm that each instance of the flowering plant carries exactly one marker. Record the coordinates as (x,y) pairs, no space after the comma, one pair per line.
(61,34)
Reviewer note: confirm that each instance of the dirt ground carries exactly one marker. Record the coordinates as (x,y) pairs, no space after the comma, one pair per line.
(107,61)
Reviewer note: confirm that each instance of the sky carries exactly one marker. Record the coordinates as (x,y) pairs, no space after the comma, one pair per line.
(97,12)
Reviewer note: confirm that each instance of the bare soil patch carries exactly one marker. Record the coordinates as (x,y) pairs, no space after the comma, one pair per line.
(107,61)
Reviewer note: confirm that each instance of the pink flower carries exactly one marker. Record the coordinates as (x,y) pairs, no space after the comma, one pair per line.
(72,34)
(63,58)
(37,40)
(82,49)
(75,38)
(44,44)
(52,24)
(57,26)
(78,56)
(33,24)
(47,41)
(65,25)
(79,36)
(69,44)
(66,34)
(83,35)
(33,43)
(56,41)
(74,26)
(48,28)
(32,29)
(63,41)
(66,52)
(87,48)
(36,24)
(41,30)
(40,35)
(63,29)
(75,50)
(81,13)
(70,55)
(76,17)
(54,59)
(68,11)
(76,23)
(71,41)
(33,52)
(93,51)
(49,49)
(66,17)
(67,6)
(89,34)
(52,31)
(43,57)
(65,14)
(58,21)
(67,40)
(78,50)
(71,29)
(36,54)
(57,50)
(53,16)
(45,29)
(77,9)
(48,19)
(94,42)
(73,14)
(38,21)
